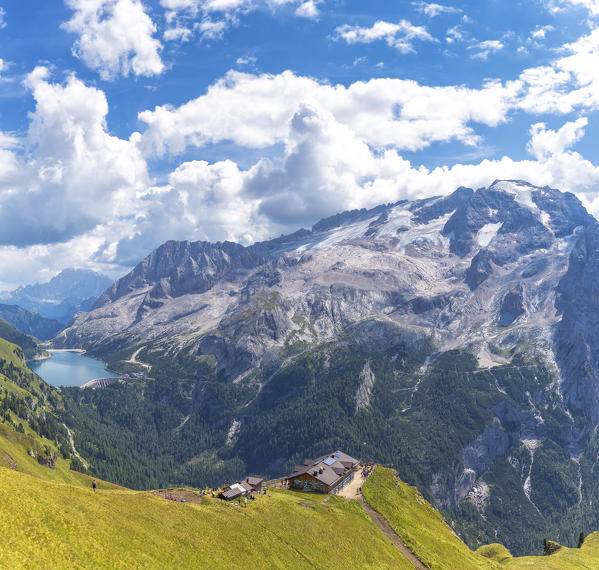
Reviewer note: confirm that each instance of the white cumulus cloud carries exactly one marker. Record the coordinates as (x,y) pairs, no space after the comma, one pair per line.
(307,10)
(433,10)
(591,5)
(399,36)
(540,32)
(178,33)
(73,175)
(570,81)
(483,49)
(115,37)
(254,110)
(545,143)
(210,19)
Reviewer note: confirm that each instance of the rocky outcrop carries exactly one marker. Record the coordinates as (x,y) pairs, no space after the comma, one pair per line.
(48,460)
(44,457)
(176,268)
(577,335)
(364,390)
(512,306)
(480,269)
(451,489)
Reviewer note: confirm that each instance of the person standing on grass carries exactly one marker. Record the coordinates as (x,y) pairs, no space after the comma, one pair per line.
(94,485)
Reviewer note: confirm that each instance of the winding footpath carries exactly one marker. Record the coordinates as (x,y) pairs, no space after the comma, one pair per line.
(352,491)
(72,442)
(386,529)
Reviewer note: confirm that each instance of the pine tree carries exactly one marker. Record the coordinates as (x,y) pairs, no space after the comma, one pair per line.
(580,539)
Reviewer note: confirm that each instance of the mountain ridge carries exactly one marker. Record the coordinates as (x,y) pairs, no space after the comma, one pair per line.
(70,291)
(30,323)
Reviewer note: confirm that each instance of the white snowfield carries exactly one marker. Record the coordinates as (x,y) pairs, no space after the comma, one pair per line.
(486,234)
(521,191)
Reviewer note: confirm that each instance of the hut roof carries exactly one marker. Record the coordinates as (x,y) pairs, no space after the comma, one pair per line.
(327,469)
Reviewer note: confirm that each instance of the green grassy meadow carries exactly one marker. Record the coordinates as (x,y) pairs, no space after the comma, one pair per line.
(56,525)
(586,557)
(420,526)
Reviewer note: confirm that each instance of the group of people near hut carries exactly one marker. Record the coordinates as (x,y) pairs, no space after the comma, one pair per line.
(367,470)
(171,498)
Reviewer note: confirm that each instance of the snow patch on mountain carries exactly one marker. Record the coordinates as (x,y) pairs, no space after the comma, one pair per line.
(399,220)
(522,192)
(430,233)
(486,234)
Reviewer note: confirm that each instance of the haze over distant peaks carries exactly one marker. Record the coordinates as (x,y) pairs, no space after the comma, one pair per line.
(69,292)
(30,323)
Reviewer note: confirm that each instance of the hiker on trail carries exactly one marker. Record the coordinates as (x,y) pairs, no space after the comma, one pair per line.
(94,485)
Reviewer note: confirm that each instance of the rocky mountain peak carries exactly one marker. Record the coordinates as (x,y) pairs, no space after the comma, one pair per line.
(450,260)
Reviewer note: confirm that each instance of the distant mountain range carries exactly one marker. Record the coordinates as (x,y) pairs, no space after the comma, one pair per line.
(455,338)
(69,292)
(30,323)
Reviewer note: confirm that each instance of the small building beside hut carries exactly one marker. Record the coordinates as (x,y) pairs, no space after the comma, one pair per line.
(236,491)
(241,488)
(255,483)
(327,474)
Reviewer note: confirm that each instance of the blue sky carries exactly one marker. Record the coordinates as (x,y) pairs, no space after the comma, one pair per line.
(124,123)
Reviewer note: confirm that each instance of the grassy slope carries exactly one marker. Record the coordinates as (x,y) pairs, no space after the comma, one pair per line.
(17,446)
(14,446)
(421,527)
(47,524)
(26,342)
(13,354)
(50,524)
(429,536)
(564,559)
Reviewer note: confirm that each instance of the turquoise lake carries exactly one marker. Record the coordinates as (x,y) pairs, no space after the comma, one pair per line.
(69,368)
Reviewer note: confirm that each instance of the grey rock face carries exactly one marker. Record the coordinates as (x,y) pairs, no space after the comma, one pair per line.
(365,389)
(177,268)
(577,335)
(479,269)
(512,306)
(437,264)
(450,490)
